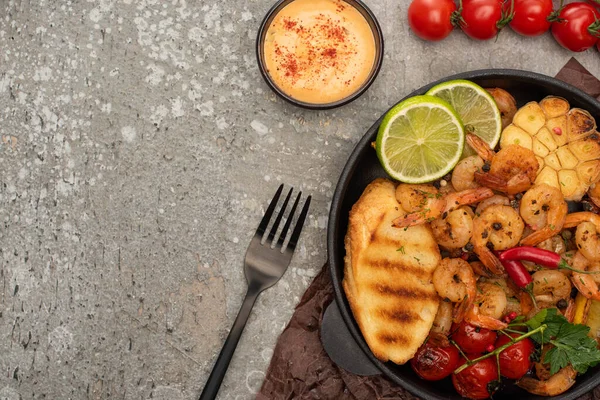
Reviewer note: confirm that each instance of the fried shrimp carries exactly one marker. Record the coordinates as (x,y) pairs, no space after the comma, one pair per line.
(454,280)
(555,385)
(495,199)
(549,287)
(544,209)
(463,176)
(498,227)
(512,170)
(454,229)
(436,205)
(491,300)
(587,239)
(480,269)
(414,197)
(587,235)
(474,317)
(587,284)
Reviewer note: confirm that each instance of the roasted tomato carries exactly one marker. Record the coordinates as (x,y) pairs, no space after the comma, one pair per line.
(479,381)
(472,339)
(433,362)
(515,361)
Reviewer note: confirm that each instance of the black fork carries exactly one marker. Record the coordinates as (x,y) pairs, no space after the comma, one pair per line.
(264,264)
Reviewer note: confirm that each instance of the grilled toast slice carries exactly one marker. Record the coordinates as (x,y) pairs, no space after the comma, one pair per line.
(388,275)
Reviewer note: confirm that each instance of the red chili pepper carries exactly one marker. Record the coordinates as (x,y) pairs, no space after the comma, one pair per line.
(547,258)
(543,257)
(517,272)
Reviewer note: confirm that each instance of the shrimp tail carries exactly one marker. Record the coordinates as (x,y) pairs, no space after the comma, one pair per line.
(557,384)
(466,197)
(411,219)
(481,270)
(526,302)
(483,321)
(586,285)
(482,149)
(491,181)
(574,219)
(489,260)
(518,183)
(569,312)
(432,210)
(461,309)
(539,236)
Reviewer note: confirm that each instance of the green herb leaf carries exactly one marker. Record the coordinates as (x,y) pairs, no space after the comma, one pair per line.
(557,358)
(401,250)
(571,342)
(552,318)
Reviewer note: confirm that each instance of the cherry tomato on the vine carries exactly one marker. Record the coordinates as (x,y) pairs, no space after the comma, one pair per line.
(530,17)
(433,363)
(472,339)
(578,27)
(481,19)
(515,361)
(479,381)
(431,19)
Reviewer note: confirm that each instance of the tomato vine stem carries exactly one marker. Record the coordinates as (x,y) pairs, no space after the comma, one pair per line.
(500,349)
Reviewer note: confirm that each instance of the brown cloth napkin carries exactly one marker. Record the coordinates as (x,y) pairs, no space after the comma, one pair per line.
(300,368)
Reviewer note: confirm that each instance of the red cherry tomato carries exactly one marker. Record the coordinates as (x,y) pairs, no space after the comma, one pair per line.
(515,360)
(530,16)
(434,363)
(576,29)
(472,339)
(431,19)
(481,19)
(479,381)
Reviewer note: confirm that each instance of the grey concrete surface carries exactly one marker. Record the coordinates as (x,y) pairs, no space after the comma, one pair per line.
(139,146)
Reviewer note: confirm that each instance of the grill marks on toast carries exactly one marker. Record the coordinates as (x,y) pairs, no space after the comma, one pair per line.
(386,264)
(405,292)
(387,275)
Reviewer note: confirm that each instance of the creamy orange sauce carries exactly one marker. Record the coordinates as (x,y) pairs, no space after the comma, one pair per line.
(319,51)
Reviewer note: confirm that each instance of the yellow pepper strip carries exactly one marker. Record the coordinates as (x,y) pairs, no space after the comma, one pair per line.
(581,308)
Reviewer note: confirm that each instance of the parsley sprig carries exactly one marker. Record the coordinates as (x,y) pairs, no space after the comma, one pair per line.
(571,343)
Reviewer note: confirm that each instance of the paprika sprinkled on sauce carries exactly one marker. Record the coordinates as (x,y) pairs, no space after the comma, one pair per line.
(319,51)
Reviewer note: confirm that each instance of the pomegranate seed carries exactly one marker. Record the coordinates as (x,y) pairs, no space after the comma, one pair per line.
(557,131)
(489,348)
(464,256)
(512,315)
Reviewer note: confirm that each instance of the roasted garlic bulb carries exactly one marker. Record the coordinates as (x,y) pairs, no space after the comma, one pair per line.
(564,140)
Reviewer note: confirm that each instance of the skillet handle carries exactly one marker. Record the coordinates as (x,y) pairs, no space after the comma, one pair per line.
(341,346)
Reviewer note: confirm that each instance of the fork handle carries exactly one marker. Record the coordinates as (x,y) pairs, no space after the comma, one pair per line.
(218,372)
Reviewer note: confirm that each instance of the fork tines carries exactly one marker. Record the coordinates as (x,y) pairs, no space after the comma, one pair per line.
(264,223)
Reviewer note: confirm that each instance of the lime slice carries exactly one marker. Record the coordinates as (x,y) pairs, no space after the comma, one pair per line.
(420,140)
(477,109)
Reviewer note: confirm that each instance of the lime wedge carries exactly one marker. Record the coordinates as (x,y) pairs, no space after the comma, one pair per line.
(477,109)
(420,140)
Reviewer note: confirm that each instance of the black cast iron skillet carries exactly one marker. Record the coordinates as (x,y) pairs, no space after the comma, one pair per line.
(340,333)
